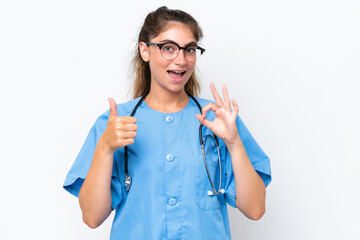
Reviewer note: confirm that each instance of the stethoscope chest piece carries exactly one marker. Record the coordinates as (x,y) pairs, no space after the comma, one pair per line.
(127,182)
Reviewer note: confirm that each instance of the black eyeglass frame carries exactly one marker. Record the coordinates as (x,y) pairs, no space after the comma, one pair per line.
(160,45)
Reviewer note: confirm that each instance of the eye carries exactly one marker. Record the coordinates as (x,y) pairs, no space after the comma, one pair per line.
(191,49)
(169,47)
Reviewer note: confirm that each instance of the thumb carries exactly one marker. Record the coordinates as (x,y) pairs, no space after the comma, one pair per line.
(113,107)
(207,123)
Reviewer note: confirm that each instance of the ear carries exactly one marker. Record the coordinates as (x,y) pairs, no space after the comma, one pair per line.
(144,51)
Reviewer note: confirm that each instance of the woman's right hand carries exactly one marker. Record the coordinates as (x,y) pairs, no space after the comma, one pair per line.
(95,194)
(120,131)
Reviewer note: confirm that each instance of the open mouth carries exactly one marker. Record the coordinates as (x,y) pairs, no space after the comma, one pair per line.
(176,75)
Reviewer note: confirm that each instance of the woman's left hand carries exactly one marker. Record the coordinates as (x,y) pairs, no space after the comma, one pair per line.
(224,125)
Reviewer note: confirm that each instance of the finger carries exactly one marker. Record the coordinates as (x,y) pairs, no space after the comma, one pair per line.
(113,107)
(129,135)
(200,118)
(130,127)
(127,127)
(226,98)
(127,142)
(126,120)
(217,97)
(125,135)
(207,123)
(207,107)
(235,106)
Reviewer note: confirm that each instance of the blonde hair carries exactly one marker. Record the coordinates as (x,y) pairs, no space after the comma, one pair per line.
(154,23)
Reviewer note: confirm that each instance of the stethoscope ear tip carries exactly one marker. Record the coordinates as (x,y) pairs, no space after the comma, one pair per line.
(211,193)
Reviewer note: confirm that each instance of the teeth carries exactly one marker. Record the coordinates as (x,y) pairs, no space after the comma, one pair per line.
(178,71)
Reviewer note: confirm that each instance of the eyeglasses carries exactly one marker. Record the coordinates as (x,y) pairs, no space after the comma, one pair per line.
(170,50)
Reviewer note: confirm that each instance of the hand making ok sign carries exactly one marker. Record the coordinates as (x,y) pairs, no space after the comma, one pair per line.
(224,125)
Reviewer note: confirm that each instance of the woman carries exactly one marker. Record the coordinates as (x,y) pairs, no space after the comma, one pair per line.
(166,191)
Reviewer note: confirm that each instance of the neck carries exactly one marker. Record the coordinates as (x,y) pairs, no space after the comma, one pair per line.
(166,101)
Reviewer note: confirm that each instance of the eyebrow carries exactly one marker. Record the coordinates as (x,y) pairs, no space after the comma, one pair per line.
(168,40)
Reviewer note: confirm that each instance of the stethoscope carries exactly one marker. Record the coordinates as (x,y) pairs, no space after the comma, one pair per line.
(212,192)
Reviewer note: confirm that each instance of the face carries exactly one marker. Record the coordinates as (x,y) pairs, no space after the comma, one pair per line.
(169,75)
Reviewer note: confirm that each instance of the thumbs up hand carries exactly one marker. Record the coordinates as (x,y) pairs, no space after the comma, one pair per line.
(120,131)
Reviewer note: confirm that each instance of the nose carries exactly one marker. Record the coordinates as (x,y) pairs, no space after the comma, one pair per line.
(180,58)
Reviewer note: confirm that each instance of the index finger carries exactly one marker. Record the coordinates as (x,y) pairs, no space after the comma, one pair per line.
(207,107)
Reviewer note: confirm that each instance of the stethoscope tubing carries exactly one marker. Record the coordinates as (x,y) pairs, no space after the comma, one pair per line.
(127,176)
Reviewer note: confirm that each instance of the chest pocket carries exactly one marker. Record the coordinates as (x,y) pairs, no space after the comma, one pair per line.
(203,185)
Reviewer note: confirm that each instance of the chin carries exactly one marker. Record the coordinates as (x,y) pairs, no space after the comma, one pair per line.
(176,88)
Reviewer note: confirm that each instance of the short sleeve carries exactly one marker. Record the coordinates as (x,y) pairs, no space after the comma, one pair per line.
(81,166)
(259,160)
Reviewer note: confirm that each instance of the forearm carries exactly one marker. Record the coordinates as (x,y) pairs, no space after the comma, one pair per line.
(250,189)
(95,193)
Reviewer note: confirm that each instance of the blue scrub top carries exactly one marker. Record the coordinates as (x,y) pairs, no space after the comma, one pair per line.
(168,198)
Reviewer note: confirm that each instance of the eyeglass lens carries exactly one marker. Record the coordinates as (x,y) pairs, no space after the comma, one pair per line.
(170,51)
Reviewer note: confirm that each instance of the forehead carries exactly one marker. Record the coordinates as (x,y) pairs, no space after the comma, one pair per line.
(177,32)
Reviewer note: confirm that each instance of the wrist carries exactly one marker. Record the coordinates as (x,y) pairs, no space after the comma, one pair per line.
(235,144)
(104,147)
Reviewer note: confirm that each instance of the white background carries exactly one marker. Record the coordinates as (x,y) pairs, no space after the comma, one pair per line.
(293,67)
